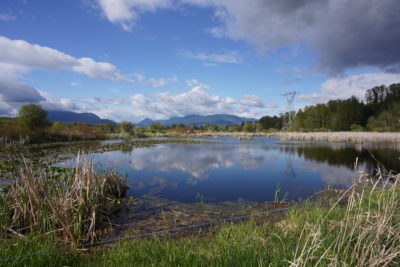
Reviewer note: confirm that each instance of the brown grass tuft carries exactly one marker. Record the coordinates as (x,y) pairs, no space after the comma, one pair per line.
(72,207)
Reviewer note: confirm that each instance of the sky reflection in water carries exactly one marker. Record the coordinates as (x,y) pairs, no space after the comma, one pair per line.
(231,169)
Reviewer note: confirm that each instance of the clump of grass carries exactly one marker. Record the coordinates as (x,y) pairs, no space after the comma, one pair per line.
(72,206)
(366,233)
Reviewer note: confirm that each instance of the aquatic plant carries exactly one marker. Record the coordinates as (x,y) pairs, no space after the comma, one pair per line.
(72,206)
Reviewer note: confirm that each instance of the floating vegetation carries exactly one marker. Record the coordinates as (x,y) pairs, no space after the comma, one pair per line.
(41,156)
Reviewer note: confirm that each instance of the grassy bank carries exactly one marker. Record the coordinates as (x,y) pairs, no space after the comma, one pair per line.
(359,227)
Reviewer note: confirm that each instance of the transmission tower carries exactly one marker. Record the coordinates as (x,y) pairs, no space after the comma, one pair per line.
(287,119)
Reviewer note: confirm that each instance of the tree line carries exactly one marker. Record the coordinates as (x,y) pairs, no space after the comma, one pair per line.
(379,112)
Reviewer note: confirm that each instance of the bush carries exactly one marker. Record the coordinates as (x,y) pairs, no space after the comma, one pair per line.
(15,130)
(374,124)
(126,127)
(156,126)
(33,116)
(83,132)
(356,128)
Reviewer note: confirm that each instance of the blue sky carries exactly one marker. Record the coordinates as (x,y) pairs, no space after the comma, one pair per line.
(132,59)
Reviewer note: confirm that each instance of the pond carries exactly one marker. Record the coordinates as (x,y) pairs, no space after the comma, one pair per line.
(227,169)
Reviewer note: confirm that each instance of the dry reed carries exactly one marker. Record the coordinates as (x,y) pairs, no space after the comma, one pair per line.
(356,137)
(73,207)
(368,234)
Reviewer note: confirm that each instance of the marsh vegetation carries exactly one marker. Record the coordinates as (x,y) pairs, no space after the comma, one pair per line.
(355,137)
(71,206)
(355,227)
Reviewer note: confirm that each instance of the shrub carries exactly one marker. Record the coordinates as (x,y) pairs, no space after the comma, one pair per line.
(33,116)
(126,126)
(83,132)
(356,128)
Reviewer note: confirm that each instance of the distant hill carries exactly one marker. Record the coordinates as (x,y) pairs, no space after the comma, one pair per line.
(198,120)
(69,116)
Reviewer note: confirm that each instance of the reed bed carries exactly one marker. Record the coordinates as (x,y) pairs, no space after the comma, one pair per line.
(356,137)
(210,134)
(73,206)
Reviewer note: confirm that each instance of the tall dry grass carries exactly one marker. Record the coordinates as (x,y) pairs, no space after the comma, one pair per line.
(356,137)
(368,234)
(72,207)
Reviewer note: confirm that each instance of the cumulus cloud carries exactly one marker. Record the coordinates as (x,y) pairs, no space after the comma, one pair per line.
(213,58)
(155,83)
(126,12)
(252,101)
(23,56)
(18,57)
(165,105)
(341,88)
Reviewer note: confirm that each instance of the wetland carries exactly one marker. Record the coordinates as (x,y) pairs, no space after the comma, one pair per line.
(168,183)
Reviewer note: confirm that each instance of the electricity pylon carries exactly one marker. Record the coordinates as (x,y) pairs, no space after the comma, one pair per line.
(287,120)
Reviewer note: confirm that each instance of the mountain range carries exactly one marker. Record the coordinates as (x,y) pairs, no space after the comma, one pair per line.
(198,120)
(69,116)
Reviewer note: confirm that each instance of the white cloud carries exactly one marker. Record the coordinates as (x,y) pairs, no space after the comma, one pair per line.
(103,70)
(341,88)
(23,56)
(191,82)
(51,103)
(165,105)
(252,101)
(126,12)
(155,83)
(6,17)
(19,57)
(110,101)
(214,58)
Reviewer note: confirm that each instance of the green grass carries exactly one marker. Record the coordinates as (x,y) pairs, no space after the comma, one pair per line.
(34,243)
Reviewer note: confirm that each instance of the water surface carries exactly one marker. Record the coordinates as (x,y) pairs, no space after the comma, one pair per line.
(229,169)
